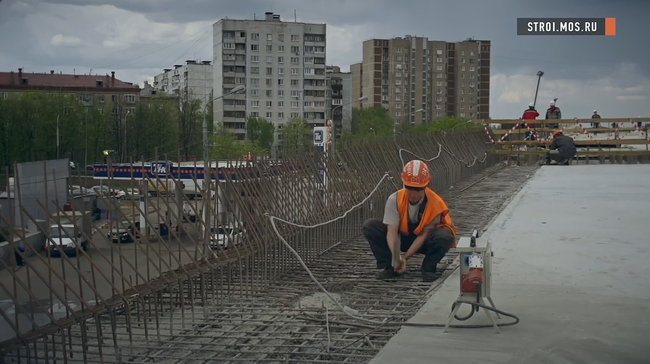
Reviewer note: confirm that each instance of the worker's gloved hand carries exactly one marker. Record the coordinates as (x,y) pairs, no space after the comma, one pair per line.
(401,268)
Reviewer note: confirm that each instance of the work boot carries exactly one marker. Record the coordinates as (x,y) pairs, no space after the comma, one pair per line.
(387,273)
(429,276)
(563,162)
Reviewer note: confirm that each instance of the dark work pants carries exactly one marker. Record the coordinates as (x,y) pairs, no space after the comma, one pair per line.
(557,157)
(434,248)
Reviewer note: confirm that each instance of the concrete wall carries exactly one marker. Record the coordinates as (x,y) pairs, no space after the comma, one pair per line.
(40,183)
(34,238)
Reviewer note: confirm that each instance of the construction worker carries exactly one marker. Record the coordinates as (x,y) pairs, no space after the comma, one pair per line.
(416,220)
(595,124)
(530,114)
(562,149)
(553,112)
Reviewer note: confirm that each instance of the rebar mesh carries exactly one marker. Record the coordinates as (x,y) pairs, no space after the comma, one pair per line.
(178,298)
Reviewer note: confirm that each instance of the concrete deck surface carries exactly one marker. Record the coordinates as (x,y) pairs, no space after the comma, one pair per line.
(571,260)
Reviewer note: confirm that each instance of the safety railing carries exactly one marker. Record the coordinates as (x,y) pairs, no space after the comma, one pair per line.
(616,140)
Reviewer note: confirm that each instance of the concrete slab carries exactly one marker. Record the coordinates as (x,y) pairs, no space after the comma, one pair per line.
(571,260)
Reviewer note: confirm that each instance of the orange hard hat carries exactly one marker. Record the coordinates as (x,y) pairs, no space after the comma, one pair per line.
(556,133)
(416,174)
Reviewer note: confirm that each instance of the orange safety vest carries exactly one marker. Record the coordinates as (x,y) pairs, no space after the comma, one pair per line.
(435,211)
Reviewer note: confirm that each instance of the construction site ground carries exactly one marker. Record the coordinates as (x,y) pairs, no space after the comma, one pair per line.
(292,321)
(571,259)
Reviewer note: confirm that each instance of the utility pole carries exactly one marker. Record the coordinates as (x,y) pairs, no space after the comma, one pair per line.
(57,136)
(206,187)
(126,148)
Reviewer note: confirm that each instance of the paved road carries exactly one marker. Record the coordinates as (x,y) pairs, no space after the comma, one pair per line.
(136,262)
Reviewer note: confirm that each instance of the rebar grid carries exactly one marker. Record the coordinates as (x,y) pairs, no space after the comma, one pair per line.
(285,322)
(120,299)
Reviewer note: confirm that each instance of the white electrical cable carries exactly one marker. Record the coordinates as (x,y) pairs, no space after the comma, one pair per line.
(348,310)
(401,158)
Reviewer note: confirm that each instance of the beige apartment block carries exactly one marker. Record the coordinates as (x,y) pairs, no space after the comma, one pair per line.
(418,79)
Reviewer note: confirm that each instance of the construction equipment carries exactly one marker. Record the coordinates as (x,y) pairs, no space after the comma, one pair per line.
(475,257)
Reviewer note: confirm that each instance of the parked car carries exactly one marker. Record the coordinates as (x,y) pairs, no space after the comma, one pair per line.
(134,192)
(124,232)
(81,191)
(226,236)
(109,192)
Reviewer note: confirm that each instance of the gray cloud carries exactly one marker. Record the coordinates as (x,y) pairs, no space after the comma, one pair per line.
(137,38)
(495,20)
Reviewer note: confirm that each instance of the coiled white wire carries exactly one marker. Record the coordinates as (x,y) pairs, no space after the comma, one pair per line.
(345,309)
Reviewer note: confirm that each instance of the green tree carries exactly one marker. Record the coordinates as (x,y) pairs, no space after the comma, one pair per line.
(190,124)
(297,138)
(30,122)
(225,146)
(261,132)
(446,123)
(154,129)
(97,131)
(371,122)
(208,112)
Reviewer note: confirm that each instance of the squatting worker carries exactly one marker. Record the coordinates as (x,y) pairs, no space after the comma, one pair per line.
(416,220)
(562,149)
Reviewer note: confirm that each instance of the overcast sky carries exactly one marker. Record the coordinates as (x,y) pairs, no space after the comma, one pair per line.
(138,38)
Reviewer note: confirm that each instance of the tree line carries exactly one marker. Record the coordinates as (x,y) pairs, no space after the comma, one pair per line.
(163,126)
(40,126)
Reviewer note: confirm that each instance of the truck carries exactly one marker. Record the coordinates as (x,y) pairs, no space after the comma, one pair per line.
(68,232)
(163,187)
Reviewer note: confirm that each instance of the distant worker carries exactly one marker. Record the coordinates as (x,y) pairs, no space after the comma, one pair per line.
(595,115)
(562,149)
(416,220)
(530,114)
(553,112)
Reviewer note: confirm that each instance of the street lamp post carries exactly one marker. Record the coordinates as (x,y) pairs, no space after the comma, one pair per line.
(539,78)
(207,169)
(360,99)
(408,116)
(124,159)
(57,136)
(463,123)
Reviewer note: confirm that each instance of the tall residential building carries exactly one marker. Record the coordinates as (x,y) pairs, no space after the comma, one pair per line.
(340,93)
(190,81)
(440,78)
(282,65)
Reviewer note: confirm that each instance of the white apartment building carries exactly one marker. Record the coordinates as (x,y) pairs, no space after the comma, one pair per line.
(282,66)
(192,80)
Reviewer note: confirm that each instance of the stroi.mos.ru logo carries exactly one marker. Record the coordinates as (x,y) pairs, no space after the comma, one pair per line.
(566,26)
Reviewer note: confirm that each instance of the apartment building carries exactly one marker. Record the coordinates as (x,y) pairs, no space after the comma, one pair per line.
(408,74)
(190,81)
(282,66)
(106,92)
(340,95)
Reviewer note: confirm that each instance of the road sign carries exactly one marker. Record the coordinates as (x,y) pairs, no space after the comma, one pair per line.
(319,136)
